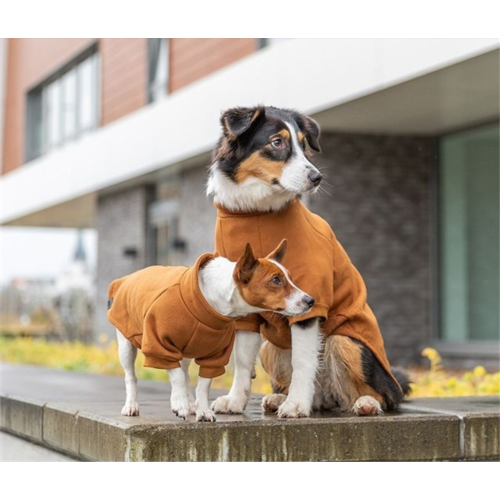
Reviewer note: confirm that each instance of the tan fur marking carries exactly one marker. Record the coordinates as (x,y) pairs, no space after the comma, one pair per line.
(259,292)
(285,134)
(261,168)
(300,137)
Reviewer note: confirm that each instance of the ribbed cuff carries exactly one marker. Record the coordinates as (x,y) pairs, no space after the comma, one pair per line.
(161,363)
(318,311)
(209,372)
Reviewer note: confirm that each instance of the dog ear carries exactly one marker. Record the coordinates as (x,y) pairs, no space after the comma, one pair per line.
(237,121)
(279,252)
(310,129)
(246,265)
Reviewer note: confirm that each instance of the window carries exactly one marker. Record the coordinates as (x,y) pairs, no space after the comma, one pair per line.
(158,61)
(266,42)
(63,107)
(469,235)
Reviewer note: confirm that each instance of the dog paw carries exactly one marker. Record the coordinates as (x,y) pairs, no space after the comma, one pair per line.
(130,410)
(293,409)
(271,403)
(205,416)
(181,407)
(366,406)
(227,404)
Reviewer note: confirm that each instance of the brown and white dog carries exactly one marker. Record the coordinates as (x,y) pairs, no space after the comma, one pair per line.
(261,165)
(221,291)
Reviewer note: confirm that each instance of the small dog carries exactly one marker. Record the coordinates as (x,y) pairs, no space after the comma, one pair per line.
(261,166)
(175,314)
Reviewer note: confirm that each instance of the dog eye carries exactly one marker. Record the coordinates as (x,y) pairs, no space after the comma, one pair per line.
(277,280)
(278,143)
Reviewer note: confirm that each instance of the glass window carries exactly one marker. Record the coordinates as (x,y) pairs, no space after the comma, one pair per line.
(158,59)
(87,99)
(52,123)
(469,235)
(69,102)
(64,107)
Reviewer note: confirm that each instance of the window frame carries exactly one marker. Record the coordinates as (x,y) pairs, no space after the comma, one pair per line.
(36,106)
(150,84)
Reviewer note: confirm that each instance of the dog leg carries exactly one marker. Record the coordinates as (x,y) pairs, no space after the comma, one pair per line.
(278,364)
(179,401)
(246,348)
(345,378)
(127,354)
(203,411)
(185,367)
(306,345)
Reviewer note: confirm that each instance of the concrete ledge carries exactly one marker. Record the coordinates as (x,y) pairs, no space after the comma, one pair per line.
(79,414)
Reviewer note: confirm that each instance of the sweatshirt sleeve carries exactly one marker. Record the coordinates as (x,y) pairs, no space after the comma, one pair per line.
(214,365)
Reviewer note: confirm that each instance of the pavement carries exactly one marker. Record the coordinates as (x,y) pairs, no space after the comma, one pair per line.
(79,415)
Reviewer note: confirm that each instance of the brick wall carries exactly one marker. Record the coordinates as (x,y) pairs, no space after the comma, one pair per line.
(194,58)
(121,222)
(378,206)
(197,215)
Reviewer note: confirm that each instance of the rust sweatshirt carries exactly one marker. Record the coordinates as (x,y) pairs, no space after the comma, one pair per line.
(162,311)
(317,264)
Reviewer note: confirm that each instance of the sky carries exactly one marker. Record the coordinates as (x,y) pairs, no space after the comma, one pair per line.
(40,252)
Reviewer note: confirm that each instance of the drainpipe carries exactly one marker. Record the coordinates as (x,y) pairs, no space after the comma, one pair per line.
(3,83)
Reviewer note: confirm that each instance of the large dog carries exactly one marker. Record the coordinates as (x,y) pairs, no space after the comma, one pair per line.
(334,355)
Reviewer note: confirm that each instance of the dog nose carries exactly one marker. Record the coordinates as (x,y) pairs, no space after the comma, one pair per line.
(315,177)
(309,301)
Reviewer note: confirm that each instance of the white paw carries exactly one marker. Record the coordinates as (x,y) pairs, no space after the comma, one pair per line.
(294,409)
(366,406)
(227,404)
(130,410)
(205,416)
(272,402)
(181,407)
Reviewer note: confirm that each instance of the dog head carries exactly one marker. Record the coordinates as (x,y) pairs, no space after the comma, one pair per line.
(265,283)
(268,150)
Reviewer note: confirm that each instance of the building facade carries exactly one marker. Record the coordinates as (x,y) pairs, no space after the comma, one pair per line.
(116,134)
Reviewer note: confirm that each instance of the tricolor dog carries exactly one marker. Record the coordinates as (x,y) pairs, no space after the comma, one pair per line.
(334,354)
(175,314)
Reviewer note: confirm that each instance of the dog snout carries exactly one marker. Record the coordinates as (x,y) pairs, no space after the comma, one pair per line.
(315,177)
(308,301)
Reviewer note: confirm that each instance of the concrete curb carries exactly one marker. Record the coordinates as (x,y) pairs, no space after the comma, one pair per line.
(90,427)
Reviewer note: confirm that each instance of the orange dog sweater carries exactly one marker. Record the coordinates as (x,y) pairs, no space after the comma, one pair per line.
(317,264)
(162,311)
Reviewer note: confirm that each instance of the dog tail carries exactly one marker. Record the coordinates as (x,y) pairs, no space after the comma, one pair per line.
(403,378)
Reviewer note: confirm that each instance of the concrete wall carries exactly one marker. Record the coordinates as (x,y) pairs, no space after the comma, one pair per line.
(121,222)
(378,205)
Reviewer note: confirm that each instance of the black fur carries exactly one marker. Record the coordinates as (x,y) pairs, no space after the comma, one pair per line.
(377,378)
(307,323)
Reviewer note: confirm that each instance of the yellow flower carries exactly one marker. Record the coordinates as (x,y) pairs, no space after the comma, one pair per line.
(479,371)
(430,353)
